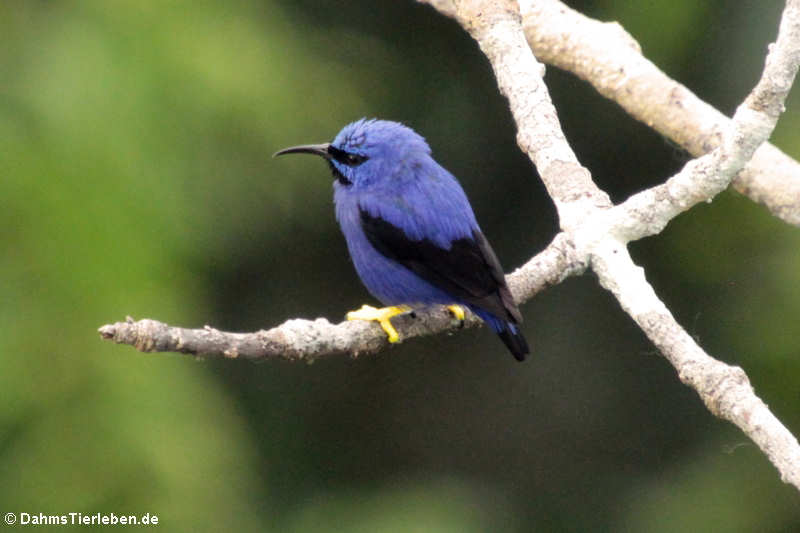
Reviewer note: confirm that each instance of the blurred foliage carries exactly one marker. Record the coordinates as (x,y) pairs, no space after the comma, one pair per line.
(137,179)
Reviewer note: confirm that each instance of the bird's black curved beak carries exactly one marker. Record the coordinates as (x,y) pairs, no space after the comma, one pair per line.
(316,149)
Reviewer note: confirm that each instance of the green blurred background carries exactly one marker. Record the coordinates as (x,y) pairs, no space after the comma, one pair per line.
(136,179)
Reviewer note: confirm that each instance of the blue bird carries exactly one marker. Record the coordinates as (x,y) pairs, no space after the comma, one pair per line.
(411,232)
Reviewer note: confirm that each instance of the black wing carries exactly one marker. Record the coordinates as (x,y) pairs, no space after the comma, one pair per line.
(469,270)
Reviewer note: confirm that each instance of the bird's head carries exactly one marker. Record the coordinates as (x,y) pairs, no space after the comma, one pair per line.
(367,152)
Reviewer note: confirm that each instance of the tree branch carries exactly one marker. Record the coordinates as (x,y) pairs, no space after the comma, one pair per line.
(600,233)
(595,233)
(607,57)
(306,340)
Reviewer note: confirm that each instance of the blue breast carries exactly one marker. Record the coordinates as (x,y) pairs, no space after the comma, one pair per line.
(386,280)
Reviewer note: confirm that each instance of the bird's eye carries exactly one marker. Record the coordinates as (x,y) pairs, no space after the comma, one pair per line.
(355,159)
(346,158)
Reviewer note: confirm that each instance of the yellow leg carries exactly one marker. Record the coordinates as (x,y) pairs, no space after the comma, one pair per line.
(458,312)
(381,316)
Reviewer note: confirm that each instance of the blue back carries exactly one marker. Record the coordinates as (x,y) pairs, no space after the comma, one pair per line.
(401,183)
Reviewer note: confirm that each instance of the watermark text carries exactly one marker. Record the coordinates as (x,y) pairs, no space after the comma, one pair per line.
(80,519)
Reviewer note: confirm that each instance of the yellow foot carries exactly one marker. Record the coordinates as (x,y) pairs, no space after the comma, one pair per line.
(381,316)
(458,312)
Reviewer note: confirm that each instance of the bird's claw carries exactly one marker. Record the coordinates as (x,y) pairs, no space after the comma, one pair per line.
(381,316)
(458,313)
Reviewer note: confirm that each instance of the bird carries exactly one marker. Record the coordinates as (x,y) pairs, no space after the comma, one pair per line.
(411,232)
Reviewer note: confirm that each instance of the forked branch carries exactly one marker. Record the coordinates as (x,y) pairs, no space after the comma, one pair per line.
(594,233)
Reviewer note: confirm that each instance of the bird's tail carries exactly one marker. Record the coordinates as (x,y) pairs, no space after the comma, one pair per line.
(509,333)
(515,341)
